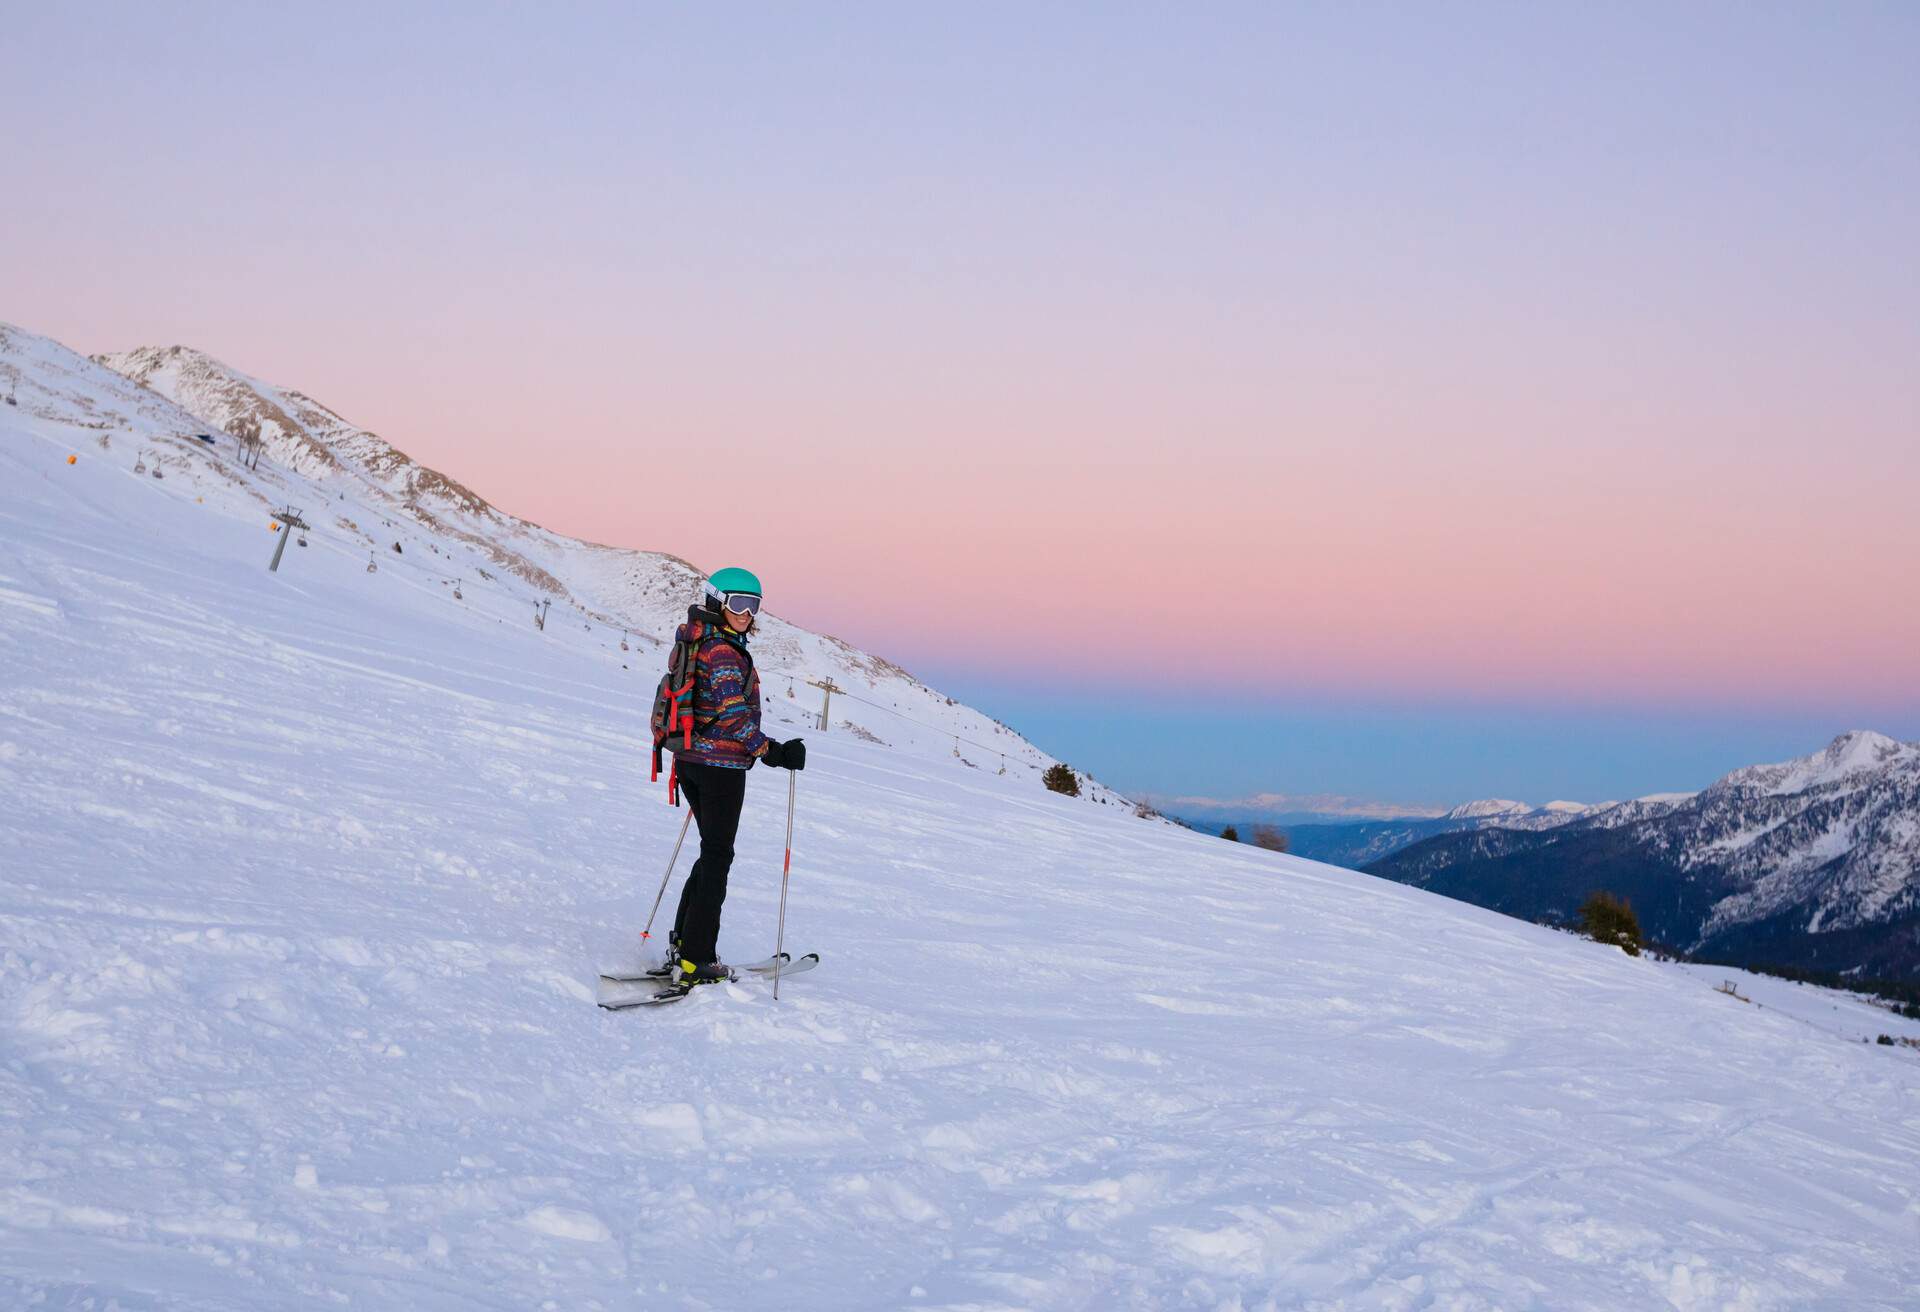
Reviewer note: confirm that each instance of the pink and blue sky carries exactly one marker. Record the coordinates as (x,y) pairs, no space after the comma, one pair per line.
(1415,402)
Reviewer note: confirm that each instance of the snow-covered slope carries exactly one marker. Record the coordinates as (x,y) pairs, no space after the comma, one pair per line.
(364,498)
(304,880)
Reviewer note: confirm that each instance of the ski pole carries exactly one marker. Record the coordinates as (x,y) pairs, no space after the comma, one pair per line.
(647,933)
(786,867)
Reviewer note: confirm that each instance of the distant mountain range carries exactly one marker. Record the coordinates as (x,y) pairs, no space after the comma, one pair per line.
(1811,863)
(1358,845)
(1211,813)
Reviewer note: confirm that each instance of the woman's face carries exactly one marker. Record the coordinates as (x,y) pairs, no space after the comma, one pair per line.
(738,622)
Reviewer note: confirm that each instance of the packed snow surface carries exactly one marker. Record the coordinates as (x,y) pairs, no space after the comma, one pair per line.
(307,878)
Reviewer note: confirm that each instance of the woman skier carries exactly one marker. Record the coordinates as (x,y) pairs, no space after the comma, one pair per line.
(711,760)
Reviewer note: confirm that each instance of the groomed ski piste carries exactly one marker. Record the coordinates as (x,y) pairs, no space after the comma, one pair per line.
(307,886)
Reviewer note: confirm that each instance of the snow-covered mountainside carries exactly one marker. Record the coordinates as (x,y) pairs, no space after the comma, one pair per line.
(1853,759)
(1814,862)
(409,526)
(305,879)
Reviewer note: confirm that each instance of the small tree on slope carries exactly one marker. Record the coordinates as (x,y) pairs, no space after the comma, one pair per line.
(1060,778)
(1607,919)
(1270,838)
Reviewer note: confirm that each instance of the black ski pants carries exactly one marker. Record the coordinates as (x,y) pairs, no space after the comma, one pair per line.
(715,793)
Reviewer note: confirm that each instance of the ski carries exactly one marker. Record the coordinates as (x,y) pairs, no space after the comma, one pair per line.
(675,992)
(672,993)
(805,963)
(661,971)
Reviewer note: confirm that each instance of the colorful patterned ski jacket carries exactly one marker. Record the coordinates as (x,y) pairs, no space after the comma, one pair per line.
(726,696)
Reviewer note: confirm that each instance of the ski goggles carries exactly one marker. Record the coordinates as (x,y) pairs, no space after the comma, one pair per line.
(741,603)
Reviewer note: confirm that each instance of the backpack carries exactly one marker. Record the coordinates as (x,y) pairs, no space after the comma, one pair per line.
(673,703)
(673,709)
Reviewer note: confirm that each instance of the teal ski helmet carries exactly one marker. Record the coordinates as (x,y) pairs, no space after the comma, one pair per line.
(733,582)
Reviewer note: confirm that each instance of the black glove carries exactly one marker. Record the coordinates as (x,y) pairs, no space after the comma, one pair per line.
(789,755)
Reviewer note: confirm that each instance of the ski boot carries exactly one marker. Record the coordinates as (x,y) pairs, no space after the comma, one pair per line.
(691,973)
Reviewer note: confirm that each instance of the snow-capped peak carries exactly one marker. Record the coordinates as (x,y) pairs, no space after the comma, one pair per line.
(1852,754)
(1489,806)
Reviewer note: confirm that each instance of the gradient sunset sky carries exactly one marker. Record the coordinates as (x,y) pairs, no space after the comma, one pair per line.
(1416,402)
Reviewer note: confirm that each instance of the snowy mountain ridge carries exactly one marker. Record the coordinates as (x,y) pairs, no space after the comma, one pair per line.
(1487,808)
(367,499)
(1836,832)
(1856,753)
(1506,814)
(1811,862)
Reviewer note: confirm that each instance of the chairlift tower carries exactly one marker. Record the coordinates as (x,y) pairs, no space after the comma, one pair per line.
(829,688)
(289,517)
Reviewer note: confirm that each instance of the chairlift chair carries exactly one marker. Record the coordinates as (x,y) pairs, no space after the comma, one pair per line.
(456,590)
(373,566)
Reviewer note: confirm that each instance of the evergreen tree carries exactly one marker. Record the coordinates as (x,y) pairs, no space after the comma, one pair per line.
(1607,919)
